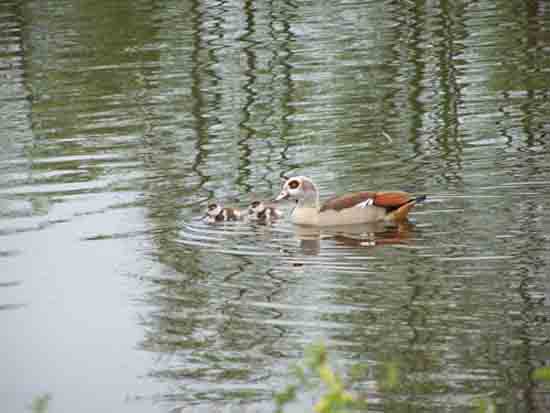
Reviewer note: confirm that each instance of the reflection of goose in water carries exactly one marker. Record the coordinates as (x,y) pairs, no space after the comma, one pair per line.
(358,236)
(354,208)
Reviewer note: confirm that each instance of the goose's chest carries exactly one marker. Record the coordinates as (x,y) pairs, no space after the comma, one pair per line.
(305,216)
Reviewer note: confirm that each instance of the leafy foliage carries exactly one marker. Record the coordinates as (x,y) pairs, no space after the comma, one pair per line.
(317,375)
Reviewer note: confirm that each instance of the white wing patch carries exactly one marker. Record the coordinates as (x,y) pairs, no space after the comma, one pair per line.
(365,203)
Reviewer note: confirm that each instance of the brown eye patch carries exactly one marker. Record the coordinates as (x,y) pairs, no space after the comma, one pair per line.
(255,204)
(293,184)
(212,207)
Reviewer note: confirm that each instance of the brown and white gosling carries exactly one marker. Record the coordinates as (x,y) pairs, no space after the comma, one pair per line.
(259,211)
(353,208)
(217,213)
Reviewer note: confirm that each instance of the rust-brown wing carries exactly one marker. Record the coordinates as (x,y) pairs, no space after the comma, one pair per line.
(347,201)
(388,200)
(392,200)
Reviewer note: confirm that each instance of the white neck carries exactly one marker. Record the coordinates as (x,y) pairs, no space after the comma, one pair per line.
(311,200)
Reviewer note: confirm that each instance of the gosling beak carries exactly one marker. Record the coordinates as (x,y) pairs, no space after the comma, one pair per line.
(281,196)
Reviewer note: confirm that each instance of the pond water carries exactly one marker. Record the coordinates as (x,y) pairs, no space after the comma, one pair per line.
(122,120)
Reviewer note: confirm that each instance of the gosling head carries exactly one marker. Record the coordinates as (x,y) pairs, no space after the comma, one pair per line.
(213,213)
(256,208)
(214,210)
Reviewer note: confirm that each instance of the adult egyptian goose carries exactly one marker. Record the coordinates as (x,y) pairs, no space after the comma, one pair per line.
(259,211)
(217,213)
(354,208)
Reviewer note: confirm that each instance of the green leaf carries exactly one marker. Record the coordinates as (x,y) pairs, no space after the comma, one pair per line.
(542,374)
(486,405)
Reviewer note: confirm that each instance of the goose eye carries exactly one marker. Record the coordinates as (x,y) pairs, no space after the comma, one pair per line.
(293,184)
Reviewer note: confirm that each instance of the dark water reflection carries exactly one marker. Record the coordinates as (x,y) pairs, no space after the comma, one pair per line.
(121,120)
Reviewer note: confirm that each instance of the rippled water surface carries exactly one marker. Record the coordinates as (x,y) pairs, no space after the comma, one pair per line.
(121,121)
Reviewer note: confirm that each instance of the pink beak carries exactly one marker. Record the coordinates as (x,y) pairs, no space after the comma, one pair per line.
(283,195)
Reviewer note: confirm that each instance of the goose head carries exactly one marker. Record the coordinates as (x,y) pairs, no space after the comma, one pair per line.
(302,189)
